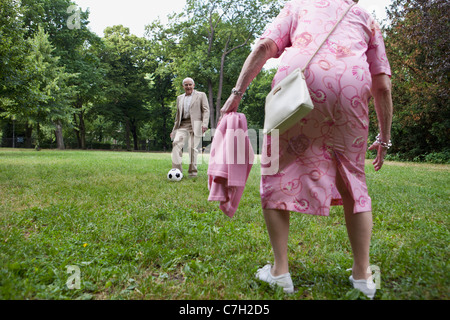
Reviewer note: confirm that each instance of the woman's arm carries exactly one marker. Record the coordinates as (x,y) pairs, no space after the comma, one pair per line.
(264,50)
(382,93)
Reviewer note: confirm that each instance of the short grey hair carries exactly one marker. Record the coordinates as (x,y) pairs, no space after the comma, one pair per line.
(188,79)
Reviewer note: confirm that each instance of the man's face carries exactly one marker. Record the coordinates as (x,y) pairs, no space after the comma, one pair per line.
(188,86)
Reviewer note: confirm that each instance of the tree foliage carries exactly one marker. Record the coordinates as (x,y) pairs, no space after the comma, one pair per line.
(50,94)
(127,59)
(417,46)
(13,48)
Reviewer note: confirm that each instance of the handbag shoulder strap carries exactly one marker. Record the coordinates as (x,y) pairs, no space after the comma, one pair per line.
(329,34)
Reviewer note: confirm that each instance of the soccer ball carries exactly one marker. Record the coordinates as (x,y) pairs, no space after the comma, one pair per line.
(174,175)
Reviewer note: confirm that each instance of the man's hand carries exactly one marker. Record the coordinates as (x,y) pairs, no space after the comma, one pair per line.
(204,129)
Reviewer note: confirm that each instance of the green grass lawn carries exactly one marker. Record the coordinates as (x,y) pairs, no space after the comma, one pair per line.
(135,235)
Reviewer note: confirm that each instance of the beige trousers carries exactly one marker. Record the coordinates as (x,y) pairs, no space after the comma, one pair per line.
(185,134)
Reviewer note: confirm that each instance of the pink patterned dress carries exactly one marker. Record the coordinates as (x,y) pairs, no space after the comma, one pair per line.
(334,135)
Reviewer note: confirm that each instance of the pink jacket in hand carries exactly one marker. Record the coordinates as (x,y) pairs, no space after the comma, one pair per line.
(230,162)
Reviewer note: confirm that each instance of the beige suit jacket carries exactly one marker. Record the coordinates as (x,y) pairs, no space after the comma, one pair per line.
(198,111)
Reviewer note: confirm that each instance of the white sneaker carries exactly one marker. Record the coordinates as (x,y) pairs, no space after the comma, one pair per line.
(367,286)
(283,280)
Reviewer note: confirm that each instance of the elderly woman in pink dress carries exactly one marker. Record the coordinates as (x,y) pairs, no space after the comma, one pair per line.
(322,158)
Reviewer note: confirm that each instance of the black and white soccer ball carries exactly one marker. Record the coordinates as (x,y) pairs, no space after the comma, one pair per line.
(174,175)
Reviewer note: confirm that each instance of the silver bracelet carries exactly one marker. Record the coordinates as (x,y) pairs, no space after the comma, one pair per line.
(236,92)
(386,145)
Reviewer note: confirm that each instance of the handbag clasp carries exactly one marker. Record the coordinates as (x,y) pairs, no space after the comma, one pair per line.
(277,90)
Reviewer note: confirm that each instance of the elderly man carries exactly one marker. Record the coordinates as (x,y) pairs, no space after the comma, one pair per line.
(191,122)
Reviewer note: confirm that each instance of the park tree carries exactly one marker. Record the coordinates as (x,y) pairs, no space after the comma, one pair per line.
(13,48)
(50,93)
(14,90)
(66,26)
(214,38)
(85,61)
(417,46)
(126,58)
(161,79)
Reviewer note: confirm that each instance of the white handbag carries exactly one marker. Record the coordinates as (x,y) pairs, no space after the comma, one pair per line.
(289,101)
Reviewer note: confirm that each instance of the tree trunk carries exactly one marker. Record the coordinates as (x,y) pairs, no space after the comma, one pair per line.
(165,114)
(226,52)
(212,118)
(82,128)
(77,131)
(28,134)
(59,135)
(219,90)
(38,139)
(133,129)
(127,134)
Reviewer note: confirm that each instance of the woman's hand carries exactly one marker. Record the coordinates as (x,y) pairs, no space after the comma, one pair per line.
(231,105)
(381,90)
(381,153)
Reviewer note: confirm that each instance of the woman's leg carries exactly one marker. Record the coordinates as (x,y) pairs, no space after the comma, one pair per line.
(277,222)
(359,229)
